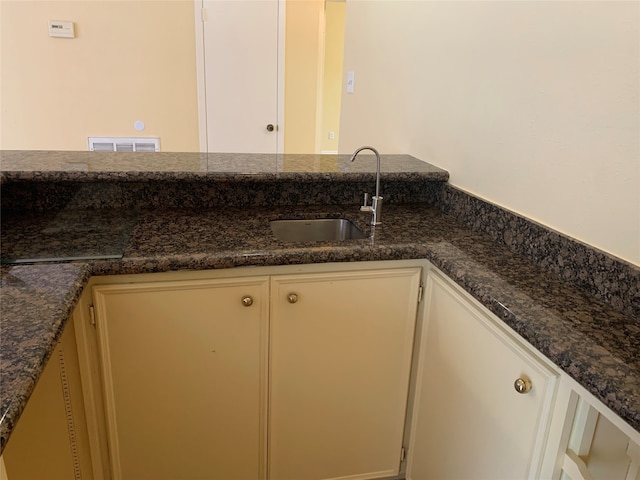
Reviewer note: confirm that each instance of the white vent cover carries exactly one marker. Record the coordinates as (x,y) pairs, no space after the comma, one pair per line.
(124,144)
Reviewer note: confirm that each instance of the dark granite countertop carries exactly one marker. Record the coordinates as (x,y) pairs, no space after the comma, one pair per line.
(230,167)
(190,214)
(35,304)
(594,344)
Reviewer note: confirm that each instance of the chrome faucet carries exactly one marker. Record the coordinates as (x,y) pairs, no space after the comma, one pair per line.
(376,202)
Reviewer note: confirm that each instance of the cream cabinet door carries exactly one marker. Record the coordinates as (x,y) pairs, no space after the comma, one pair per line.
(184,370)
(469,421)
(50,440)
(341,348)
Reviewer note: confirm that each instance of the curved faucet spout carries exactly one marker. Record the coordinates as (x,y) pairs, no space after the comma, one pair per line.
(376,202)
(355,154)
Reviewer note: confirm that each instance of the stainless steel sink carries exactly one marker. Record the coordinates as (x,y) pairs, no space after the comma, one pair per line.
(315,230)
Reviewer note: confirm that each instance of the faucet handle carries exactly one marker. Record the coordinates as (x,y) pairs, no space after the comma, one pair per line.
(365,207)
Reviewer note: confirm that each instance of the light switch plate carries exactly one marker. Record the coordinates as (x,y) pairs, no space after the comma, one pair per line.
(350,81)
(63,29)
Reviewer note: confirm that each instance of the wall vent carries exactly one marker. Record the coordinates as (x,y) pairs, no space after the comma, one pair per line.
(124,144)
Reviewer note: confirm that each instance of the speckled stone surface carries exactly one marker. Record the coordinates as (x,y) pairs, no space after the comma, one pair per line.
(64,235)
(600,274)
(92,166)
(595,342)
(35,303)
(169,180)
(207,193)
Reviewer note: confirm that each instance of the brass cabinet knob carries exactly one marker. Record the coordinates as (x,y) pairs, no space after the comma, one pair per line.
(522,385)
(292,297)
(247,301)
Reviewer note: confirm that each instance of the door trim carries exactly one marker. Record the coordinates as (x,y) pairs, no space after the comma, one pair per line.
(198,10)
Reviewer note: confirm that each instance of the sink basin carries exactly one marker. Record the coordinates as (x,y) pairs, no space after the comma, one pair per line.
(315,230)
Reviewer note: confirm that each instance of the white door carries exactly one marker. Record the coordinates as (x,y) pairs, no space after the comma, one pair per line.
(240,43)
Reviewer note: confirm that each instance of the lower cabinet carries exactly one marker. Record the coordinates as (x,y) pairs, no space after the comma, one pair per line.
(184,368)
(286,377)
(50,440)
(341,348)
(306,373)
(483,401)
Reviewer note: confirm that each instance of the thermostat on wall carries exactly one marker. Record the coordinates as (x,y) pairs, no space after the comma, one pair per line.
(58,28)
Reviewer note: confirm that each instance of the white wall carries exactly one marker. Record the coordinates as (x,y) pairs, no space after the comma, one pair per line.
(533,105)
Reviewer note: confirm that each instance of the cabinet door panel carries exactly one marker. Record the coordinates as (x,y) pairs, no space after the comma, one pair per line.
(470,422)
(340,361)
(50,441)
(184,365)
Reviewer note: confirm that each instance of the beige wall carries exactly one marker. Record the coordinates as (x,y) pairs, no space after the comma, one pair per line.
(301,79)
(313,74)
(332,82)
(533,105)
(130,60)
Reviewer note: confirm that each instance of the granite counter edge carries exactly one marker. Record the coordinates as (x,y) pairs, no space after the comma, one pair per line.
(598,383)
(33,360)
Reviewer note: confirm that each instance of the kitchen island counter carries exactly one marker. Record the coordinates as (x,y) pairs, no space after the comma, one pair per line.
(595,342)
